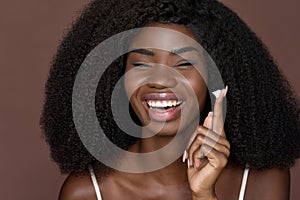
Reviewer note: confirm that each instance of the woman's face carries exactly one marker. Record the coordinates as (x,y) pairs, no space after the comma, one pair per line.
(164,84)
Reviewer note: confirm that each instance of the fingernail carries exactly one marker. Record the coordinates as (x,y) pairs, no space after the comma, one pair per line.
(199,129)
(184,157)
(188,163)
(225,92)
(198,164)
(210,114)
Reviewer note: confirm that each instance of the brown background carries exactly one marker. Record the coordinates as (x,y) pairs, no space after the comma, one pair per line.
(29,34)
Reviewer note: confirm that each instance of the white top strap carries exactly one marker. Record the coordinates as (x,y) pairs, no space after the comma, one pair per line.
(241,195)
(95,183)
(244,183)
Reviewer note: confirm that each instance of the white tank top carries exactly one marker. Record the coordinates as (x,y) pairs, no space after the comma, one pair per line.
(241,195)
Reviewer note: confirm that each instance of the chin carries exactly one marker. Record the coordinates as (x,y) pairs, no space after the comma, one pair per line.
(170,128)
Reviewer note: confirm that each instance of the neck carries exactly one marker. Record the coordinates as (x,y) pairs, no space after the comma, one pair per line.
(174,172)
(166,151)
(153,143)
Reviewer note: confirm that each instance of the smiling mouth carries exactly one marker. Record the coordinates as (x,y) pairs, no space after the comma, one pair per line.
(163,106)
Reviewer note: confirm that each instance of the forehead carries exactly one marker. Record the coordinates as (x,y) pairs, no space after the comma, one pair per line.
(165,37)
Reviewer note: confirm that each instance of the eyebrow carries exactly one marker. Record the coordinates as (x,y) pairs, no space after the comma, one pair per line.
(183,50)
(173,52)
(143,51)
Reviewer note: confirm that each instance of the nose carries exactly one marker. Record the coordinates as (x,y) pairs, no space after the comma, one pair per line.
(162,77)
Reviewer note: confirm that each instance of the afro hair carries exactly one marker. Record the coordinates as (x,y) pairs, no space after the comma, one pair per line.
(262,120)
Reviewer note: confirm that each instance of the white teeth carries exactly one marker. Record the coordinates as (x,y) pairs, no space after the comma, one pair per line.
(158,104)
(174,103)
(163,104)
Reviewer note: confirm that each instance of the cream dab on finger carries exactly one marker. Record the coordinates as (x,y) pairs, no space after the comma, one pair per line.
(217,93)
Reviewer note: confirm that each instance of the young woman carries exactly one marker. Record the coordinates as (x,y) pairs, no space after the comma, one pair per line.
(246,154)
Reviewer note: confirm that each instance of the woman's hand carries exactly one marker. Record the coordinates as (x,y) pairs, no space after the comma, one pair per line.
(207,153)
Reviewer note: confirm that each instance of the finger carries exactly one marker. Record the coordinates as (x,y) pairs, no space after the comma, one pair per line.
(209,170)
(221,145)
(207,123)
(196,143)
(208,145)
(215,158)
(218,121)
(208,120)
(199,163)
(214,136)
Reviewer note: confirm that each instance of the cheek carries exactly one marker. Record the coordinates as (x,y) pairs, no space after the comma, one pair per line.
(131,83)
(202,99)
(133,79)
(131,92)
(129,86)
(199,86)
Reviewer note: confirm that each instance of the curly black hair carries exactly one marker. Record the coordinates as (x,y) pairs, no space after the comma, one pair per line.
(262,122)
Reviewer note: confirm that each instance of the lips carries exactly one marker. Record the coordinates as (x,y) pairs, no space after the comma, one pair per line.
(162,106)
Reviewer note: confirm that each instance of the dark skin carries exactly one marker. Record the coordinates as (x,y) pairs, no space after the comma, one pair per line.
(263,185)
(211,177)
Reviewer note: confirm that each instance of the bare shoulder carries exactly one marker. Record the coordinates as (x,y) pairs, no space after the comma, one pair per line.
(77,186)
(269,184)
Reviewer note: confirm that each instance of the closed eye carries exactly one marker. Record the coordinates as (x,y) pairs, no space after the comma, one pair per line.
(140,65)
(185,64)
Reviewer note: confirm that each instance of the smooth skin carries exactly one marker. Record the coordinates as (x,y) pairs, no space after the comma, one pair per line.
(205,174)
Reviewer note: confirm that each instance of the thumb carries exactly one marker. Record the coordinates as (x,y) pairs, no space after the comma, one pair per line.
(208,121)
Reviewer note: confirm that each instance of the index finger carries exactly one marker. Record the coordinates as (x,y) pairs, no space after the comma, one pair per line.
(207,124)
(218,121)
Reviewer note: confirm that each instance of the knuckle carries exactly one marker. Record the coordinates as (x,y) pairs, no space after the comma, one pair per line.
(200,137)
(227,152)
(196,155)
(225,142)
(228,144)
(189,152)
(224,151)
(222,161)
